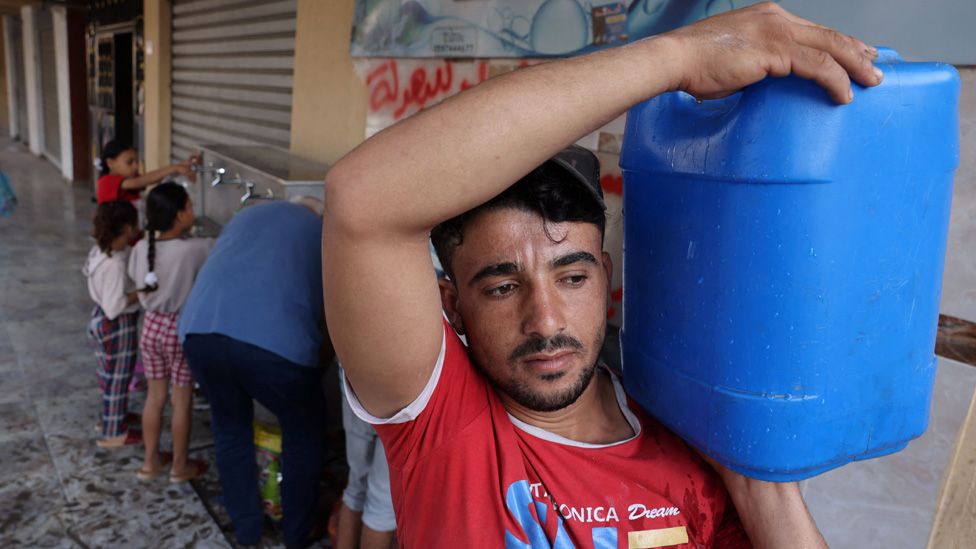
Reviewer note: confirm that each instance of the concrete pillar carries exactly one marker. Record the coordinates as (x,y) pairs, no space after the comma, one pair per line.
(59,16)
(11,73)
(157,32)
(328,113)
(32,79)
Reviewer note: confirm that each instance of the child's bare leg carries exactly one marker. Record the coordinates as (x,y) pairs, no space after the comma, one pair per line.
(375,539)
(152,419)
(349,528)
(182,400)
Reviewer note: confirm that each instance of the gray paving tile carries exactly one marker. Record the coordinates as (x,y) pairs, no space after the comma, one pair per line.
(30,516)
(22,446)
(69,434)
(26,455)
(59,335)
(18,418)
(110,507)
(52,383)
(8,360)
(68,430)
(71,414)
(78,454)
(13,384)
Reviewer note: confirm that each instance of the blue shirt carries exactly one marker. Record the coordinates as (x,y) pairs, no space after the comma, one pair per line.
(262,283)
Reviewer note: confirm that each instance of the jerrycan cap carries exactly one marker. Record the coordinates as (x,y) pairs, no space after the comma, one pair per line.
(887,55)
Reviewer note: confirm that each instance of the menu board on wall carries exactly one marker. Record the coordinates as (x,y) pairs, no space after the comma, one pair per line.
(514,28)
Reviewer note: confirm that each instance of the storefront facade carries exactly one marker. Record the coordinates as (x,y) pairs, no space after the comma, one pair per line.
(44,67)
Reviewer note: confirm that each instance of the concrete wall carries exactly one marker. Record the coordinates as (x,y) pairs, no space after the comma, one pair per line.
(959,282)
(32,79)
(157,32)
(59,15)
(934,30)
(328,113)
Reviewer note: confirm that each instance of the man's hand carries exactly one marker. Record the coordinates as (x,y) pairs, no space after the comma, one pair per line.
(722,54)
(772,513)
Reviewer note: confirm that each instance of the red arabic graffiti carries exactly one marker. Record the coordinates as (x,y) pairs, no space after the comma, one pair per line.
(425,84)
(616,296)
(613,184)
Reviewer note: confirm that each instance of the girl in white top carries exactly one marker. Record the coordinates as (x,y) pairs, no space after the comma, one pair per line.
(113,323)
(167,264)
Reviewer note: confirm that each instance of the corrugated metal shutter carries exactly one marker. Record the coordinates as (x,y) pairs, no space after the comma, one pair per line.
(17,39)
(232,73)
(49,87)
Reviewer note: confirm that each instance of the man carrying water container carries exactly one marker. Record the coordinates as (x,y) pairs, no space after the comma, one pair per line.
(521,438)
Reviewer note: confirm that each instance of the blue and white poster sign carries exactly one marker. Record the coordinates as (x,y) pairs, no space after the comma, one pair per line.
(935,30)
(514,28)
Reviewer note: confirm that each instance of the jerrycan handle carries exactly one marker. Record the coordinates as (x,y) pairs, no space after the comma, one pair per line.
(710,109)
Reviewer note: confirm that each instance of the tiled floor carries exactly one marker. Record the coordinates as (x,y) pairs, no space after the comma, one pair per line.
(58,489)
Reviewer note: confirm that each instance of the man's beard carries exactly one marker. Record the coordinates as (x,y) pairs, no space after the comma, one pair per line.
(539,401)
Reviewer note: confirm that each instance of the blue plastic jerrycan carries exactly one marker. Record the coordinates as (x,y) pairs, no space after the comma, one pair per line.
(783,262)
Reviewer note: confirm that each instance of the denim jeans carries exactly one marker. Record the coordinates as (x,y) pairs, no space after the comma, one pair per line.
(231,374)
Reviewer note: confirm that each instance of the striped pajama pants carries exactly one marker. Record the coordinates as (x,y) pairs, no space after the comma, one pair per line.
(116,347)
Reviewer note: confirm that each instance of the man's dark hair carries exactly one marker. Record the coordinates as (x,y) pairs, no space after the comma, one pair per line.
(548,191)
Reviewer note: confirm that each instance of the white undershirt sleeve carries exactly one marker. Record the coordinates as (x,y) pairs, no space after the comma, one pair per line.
(412,410)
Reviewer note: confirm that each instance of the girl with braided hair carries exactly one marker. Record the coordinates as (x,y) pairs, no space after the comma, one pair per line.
(166,264)
(113,323)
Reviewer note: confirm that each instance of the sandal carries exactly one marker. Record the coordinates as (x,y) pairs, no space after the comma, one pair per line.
(195,468)
(132,436)
(165,458)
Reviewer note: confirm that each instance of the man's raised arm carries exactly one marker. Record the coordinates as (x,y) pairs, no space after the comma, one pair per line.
(383,198)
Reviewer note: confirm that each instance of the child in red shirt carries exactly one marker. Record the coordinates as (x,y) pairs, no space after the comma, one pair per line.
(120,179)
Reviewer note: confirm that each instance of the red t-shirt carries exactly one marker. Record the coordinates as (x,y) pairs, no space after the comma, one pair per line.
(109,189)
(463,473)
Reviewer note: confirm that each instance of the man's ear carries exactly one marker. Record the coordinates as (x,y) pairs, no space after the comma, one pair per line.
(608,267)
(449,302)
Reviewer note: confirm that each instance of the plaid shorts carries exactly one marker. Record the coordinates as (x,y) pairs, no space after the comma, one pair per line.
(162,355)
(115,347)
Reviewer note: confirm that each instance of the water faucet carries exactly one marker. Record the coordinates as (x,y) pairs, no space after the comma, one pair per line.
(201,170)
(249,194)
(218,176)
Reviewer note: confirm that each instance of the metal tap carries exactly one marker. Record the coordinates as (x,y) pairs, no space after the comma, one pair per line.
(236,180)
(218,177)
(201,170)
(249,194)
